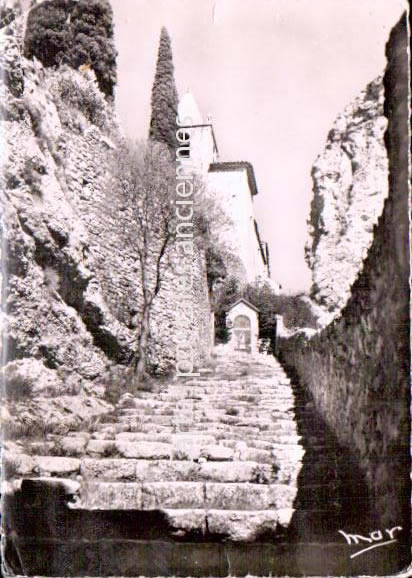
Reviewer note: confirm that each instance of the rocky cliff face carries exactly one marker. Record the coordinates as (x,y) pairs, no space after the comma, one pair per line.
(349,187)
(71,283)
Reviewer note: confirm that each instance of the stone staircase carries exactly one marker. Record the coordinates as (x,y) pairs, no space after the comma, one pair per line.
(218,453)
(230,471)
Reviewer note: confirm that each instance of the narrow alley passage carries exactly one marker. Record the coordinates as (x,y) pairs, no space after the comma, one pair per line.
(234,468)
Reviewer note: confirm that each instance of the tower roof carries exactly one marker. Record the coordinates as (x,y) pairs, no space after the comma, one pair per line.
(237,166)
(188,109)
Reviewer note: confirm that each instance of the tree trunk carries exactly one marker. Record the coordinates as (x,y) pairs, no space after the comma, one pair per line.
(143,342)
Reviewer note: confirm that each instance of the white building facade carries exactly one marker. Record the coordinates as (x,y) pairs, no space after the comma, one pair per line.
(232,185)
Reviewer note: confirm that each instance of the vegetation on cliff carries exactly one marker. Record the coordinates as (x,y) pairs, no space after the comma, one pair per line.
(7,15)
(75,33)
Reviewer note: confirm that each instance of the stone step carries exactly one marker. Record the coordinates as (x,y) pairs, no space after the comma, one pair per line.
(170,554)
(121,495)
(144,449)
(247,393)
(178,449)
(122,469)
(180,445)
(144,419)
(148,428)
(46,466)
(246,525)
(136,427)
(270,394)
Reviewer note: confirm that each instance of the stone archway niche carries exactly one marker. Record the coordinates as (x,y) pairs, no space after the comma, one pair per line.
(242,320)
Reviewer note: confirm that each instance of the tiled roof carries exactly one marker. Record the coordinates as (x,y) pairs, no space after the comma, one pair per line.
(243,300)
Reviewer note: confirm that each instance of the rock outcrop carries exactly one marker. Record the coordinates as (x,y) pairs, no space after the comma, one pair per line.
(71,288)
(350,183)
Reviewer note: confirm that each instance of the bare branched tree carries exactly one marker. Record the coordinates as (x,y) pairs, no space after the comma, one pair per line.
(145,179)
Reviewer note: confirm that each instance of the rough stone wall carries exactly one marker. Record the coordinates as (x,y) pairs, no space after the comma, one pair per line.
(181,316)
(349,188)
(358,367)
(73,295)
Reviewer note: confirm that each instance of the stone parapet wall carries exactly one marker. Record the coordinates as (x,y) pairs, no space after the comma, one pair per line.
(358,367)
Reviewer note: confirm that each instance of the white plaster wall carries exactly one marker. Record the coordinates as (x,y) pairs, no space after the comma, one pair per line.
(202,149)
(231,189)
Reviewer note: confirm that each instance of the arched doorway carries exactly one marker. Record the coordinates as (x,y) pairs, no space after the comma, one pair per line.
(242,333)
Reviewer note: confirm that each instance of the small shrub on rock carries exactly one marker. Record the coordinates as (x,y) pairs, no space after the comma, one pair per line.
(27,429)
(6,16)
(19,388)
(81,94)
(232,411)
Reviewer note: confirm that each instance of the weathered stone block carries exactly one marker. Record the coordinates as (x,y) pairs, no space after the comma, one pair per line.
(192,437)
(48,465)
(243,496)
(144,450)
(241,525)
(108,469)
(256,455)
(110,496)
(186,450)
(237,472)
(101,447)
(172,495)
(73,446)
(246,496)
(217,453)
(187,520)
(166,470)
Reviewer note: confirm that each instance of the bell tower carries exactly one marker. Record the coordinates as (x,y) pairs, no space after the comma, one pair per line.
(202,147)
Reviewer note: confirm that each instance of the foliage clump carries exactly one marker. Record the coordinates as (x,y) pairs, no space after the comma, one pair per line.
(120,380)
(77,33)
(7,16)
(79,94)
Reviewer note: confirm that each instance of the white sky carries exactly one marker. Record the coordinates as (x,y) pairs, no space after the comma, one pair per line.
(274,74)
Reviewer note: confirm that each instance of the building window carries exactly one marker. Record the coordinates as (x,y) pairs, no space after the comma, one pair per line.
(184,153)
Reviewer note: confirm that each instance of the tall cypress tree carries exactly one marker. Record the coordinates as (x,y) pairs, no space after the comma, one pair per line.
(164,95)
